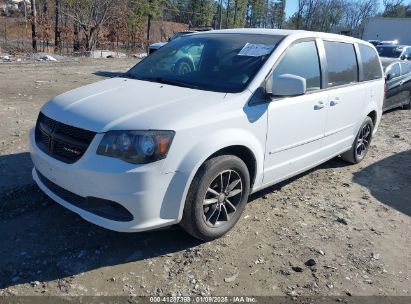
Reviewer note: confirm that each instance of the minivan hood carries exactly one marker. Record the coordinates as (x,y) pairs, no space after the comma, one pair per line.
(128,104)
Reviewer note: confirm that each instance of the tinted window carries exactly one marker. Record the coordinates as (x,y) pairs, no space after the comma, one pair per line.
(393,70)
(301,59)
(405,68)
(341,63)
(370,63)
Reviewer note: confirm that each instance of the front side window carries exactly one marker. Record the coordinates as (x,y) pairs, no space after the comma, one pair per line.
(342,65)
(370,63)
(393,70)
(301,59)
(212,62)
(405,68)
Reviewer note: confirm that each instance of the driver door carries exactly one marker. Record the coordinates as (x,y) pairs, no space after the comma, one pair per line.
(296,125)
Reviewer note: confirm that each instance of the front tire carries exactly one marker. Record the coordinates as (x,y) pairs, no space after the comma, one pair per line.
(217,197)
(361,143)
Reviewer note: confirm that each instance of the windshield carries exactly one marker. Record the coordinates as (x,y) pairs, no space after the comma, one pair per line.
(212,62)
(391,52)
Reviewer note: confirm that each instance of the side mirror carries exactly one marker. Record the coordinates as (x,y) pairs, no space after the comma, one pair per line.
(287,85)
(388,77)
(402,57)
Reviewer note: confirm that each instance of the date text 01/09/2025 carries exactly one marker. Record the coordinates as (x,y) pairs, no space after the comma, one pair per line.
(204,299)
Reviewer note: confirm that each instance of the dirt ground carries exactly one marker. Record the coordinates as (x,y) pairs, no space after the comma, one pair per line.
(353,221)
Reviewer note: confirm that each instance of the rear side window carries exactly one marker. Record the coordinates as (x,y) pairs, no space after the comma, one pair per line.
(370,63)
(342,65)
(301,59)
(405,68)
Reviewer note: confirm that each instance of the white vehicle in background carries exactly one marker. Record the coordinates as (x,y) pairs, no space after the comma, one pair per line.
(388,42)
(160,146)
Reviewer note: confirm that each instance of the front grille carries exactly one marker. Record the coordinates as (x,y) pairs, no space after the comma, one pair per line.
(98,206)
(63,142)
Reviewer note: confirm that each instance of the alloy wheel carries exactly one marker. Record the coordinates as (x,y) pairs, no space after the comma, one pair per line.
(222,198)
(363,141)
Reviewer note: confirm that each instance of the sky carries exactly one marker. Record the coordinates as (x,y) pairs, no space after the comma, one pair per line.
(292,5)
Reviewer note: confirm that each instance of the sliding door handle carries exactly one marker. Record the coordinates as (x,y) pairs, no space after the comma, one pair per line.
(319,105)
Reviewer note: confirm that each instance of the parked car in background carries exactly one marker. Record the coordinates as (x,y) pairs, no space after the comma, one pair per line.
(374,42)
(160,146)
(398,84)
(401,52)
(183,61)
(155,46)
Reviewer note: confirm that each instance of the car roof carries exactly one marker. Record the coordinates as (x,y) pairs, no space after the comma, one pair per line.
(393,46)
(296,34)
(385,61)
(388,61)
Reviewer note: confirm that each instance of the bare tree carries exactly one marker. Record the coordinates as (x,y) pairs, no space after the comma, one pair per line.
(90,15)
(57,34)
(357,11)
(299,14)
(33,25)
(395,8)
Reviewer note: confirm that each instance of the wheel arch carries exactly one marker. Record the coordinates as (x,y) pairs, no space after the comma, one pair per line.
(373,116)
(243,153)
(374,113)
(241,144)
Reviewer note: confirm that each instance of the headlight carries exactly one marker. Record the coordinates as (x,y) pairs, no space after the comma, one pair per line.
(137,147)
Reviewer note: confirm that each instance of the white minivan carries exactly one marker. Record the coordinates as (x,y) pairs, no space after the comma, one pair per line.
(189,132)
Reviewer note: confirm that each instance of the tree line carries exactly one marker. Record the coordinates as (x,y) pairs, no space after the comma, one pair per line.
(324,15)
(127,23)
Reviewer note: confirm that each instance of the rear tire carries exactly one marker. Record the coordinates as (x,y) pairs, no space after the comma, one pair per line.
(217,197)
(361,143)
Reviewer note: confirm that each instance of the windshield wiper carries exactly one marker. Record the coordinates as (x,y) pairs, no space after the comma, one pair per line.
(128,75)
(176,83)
(169,81)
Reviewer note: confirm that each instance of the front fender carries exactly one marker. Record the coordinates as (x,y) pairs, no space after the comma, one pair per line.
(198,154)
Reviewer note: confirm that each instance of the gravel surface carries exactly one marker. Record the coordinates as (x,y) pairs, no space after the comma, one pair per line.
(335,230)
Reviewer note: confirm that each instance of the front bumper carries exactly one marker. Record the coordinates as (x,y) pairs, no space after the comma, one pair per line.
(153,198)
